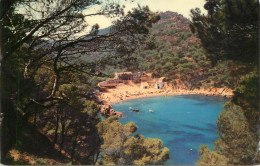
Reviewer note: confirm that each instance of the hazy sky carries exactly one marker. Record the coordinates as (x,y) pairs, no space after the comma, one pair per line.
(181,6)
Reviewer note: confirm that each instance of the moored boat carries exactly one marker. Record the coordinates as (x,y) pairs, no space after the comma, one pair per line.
(136,110)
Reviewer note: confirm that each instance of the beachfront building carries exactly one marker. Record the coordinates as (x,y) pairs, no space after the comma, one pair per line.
(144,78)
(145,85)
(109,83)
(104,84)
(159,83)
(150,75)
(123,75)
(137,76)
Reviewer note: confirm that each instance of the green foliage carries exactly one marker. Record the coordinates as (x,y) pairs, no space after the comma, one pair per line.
(174,52)
(209,157)
(40,161)
(119,147)
(229,27)
(189,65)
(237,142)
(246,96)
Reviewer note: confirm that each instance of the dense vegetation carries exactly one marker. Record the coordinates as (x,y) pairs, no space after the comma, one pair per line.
(121,148)
(49,78)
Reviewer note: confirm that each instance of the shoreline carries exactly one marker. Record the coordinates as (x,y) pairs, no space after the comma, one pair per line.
(124,93)
(165,93)
(158,95)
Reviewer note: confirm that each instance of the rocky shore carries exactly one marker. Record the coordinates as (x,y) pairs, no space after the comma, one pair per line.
(107,110)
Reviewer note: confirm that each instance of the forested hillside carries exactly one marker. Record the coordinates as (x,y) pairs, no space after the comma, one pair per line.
(49,79)
(174,52)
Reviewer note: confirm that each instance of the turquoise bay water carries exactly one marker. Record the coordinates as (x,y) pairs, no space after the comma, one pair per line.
(181,122)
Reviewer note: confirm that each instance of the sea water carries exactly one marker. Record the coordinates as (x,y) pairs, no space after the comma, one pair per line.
(183,123)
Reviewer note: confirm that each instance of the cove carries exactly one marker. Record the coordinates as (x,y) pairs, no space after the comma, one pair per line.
(183,123)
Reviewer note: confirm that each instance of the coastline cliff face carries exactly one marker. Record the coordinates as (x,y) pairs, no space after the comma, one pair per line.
(208,91)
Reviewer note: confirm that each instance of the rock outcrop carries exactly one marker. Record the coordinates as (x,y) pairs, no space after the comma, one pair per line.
(222,92)
(108,110)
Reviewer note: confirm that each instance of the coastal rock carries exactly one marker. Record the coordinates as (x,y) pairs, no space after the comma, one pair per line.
(119,114)
(108,110)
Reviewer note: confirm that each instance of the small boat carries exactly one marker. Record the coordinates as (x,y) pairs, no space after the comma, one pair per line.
(135,110)
(150,110)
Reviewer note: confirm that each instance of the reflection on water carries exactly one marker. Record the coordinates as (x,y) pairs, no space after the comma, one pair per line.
(181,122)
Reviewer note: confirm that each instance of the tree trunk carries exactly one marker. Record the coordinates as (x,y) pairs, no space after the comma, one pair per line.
(62,133)
(35,117)
(98,152)
(57,127)
(74,143)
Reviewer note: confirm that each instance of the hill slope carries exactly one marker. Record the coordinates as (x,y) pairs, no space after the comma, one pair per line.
(174,52)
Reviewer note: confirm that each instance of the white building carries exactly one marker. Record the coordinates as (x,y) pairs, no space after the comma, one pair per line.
(145,85)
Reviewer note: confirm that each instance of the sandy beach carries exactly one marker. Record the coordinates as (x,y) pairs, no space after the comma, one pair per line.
(126,92)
